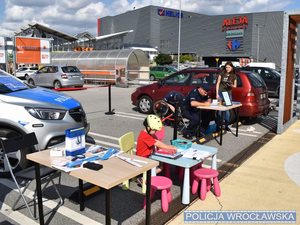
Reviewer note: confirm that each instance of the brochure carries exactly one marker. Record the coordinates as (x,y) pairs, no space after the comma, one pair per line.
(195,154)
(164,153)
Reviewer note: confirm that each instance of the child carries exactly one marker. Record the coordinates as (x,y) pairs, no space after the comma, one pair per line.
(146,142)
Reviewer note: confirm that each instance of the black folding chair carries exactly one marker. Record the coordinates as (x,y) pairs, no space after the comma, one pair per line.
(28,175)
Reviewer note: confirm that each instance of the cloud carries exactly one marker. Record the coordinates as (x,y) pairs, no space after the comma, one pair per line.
(74,16)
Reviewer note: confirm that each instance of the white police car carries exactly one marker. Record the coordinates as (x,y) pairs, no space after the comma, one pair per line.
(25,109)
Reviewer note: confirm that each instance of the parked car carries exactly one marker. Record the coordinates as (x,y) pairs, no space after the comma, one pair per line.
(25,72)
(57,76)
(26,109)
(251,90)
(159,72)
(270,76)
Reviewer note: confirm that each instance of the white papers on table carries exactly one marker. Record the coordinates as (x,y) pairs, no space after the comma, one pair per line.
(60,164)
(192,153)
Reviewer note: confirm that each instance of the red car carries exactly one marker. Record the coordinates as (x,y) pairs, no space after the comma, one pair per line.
(251,90)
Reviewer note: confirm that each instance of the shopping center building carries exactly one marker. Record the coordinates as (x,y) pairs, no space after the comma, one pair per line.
(212,38)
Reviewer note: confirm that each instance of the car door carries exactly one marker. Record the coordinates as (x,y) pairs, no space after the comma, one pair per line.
(272,80)
(40,78)
(160,72)
(51,76)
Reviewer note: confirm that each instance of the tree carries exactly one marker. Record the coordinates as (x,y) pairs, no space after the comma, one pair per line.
(163,59)
(185,58)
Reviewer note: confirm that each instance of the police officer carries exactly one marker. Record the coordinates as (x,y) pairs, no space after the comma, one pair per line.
(197,97)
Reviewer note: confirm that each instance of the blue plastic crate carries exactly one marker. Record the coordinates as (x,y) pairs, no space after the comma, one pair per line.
(182,144)
(211,129)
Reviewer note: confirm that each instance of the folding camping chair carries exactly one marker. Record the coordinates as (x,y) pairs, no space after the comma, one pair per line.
(28,175)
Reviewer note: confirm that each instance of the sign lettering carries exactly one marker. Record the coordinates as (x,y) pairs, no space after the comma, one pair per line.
(169,13)
(238,22)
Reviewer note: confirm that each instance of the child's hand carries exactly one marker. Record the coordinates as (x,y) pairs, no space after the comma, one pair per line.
(173,151)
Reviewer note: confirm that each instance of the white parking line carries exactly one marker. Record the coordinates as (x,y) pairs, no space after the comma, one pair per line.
(132,114)
(251,131)
(107,143)
(131,117)
(104,136)
(250,135)
(16,216)
(77,217)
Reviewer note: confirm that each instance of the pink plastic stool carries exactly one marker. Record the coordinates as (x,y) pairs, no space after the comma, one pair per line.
(164,184)
(205,175)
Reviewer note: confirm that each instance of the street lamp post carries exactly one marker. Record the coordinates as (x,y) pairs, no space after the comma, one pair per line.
(257,50)
(179,31)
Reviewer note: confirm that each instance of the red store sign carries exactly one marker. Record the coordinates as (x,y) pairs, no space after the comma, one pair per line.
(235,23)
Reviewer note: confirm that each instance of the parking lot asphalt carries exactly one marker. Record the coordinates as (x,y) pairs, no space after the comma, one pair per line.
(106,129)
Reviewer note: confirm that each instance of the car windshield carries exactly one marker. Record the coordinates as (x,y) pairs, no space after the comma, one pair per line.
(255,80)
(10,84)
(70,69)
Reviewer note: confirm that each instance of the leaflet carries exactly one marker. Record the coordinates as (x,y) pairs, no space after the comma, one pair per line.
(195,154)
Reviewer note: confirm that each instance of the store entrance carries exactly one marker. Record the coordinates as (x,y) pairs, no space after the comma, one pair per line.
(216,61)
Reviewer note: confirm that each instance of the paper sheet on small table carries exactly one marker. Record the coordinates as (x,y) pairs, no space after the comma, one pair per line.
(60,165)
(195,154)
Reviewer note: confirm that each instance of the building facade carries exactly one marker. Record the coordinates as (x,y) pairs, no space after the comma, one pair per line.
(213,38)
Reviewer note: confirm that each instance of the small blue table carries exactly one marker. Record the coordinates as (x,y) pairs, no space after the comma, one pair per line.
(187,163)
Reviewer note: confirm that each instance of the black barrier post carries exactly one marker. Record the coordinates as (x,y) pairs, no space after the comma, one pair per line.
(175,121)
(110,112)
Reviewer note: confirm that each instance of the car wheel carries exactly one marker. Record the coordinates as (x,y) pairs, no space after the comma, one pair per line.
(31,82)
(17,159)
(152,78)
(145,104)
(26,76)
(57,84)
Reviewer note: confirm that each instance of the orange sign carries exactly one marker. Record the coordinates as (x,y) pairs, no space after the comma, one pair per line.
(32,50)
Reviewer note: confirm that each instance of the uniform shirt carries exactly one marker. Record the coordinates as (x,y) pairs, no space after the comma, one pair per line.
(145,144)
(194,95)
(225,79)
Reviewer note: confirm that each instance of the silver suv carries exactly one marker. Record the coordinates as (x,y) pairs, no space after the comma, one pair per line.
(26,109)
(57,76)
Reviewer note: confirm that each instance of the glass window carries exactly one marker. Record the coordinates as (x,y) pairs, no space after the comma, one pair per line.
(214,77)
(239,82)
(179,78)
(268,74)
(200,78)
(70,69)
(44,69)
(255,80)
(10,84)
(51,69)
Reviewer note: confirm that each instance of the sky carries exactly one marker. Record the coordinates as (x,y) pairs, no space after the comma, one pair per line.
(75,16)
